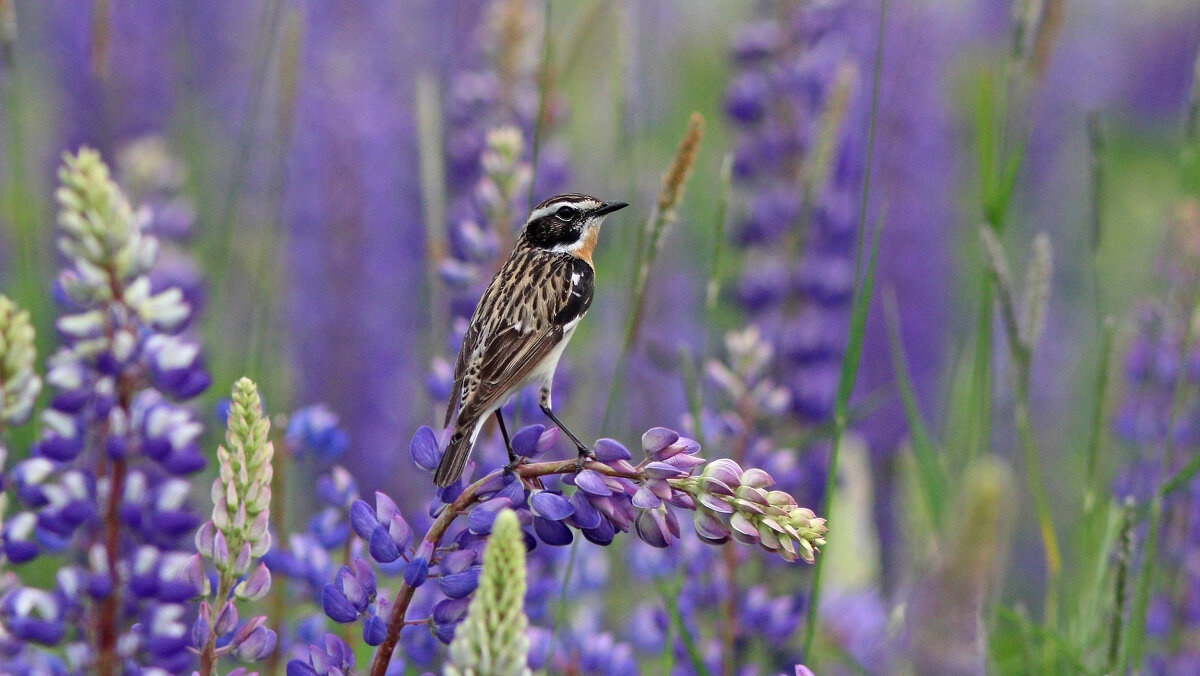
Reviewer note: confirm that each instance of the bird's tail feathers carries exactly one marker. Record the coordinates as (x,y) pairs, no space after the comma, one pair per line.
(455,458)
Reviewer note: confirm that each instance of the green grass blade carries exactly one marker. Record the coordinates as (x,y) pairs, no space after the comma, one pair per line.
(929,470)
(858,320)
(676,620)
(1094,487)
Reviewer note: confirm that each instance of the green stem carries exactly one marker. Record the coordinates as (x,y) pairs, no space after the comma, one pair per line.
(1041,505)
(689,642)
(1093,487)
(561,611)
(1124,554)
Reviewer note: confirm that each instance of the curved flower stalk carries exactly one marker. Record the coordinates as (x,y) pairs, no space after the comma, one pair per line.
(104,484)
(722,588)
(238,534)
(492,640)
(613,495)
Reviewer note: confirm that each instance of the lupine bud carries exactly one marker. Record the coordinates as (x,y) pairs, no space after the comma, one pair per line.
(98,223)
(374,630)
(253,641)
(256,586)
(424,449)
(734,503)
(227,619)
(337,606)
(415,572)
(239,532)
(492,640)
(241,493)
(334,656)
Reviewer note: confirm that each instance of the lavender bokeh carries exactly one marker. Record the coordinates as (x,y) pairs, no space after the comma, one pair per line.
(353,216)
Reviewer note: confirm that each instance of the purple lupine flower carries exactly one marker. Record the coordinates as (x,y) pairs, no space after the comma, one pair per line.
(332,657)
(601,506)
(111,444)
(351,592)
(581,651)
(316,429)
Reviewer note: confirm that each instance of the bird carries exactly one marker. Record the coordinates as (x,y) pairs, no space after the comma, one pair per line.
(523,322)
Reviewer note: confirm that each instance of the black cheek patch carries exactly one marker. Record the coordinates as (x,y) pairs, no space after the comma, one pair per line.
(548,232)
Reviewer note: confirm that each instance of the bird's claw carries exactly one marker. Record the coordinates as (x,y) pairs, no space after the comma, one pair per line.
(584,456)
(512,465)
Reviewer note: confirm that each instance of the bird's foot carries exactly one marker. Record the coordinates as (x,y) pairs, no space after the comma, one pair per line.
(513,463)
(584,456)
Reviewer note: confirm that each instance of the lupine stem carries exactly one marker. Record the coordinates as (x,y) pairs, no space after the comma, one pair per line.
(675,620)
(208,656)
(728,619)
(396,618)
(1124,555)
(106,612)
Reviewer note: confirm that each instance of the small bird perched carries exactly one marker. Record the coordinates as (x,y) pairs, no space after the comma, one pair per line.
(523,322)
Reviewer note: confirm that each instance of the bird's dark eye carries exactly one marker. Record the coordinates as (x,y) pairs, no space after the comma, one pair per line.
(566,214)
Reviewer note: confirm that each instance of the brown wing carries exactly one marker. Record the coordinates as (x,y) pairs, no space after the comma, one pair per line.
(477,336)
(510,358)
(469,343)
(517,323)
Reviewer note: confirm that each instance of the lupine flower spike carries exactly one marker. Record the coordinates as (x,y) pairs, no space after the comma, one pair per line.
(237,535)
(492,640)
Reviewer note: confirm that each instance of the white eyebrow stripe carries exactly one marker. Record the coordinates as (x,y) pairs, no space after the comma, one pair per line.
(544,211)
(554,206)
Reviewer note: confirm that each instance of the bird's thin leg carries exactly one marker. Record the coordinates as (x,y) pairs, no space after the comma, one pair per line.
(513,460)
(584,453)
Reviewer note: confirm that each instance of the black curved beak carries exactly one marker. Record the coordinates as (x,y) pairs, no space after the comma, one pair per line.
(608,208)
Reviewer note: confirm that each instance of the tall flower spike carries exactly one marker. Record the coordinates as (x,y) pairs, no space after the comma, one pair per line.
(242,491)
(238,534)
(492,640)
(19,385)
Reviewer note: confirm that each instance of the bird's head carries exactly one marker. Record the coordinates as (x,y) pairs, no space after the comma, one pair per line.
(567,224)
